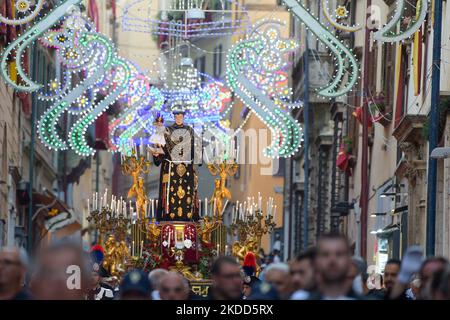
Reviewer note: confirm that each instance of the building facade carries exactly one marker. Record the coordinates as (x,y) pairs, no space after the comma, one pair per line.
(398,99)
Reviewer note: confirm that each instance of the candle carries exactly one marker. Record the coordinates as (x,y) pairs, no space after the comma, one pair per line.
(101,202)
(132,249)
(226,249)
(224,207)
(169,239)
(214,208)
(88,205)
(206,156)
(274,213)
(218,249)
(142,247)
(147,210)
(206,206)
(259,201)
(153,208)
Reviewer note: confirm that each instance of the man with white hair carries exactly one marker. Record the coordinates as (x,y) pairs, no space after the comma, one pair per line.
(174,286)
(155,277)
(277,274)
(13,269)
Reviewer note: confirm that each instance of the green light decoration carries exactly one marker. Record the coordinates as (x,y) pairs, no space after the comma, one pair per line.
(139,123)
(346,61)
(137,96)
(21,43)
(88,59)
(389,33)
(23,6)
(252,64)
(341,13)
(77,138)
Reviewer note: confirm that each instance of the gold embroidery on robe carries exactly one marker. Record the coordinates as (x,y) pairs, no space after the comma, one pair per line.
(181,193)
(180,211)
(181,169)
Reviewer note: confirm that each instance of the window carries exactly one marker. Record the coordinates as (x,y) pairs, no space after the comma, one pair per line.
(218,61)
(200,64)
(281,167)
(4,154)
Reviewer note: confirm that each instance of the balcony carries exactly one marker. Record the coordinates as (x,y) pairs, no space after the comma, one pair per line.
(320,73)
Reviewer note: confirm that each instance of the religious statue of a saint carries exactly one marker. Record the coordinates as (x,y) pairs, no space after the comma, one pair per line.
(177,188)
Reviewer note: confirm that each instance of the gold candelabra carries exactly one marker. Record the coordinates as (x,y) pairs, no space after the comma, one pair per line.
(249,227)
(223,169)
(101,220)
(106,221)
(134,166)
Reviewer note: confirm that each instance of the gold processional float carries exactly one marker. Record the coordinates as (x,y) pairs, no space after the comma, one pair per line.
(132,237)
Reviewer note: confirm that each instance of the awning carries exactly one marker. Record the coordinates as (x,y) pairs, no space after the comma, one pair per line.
(63,218)
(388,230)
(48,201)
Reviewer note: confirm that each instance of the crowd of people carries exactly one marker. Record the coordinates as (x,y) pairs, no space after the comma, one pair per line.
(326,272)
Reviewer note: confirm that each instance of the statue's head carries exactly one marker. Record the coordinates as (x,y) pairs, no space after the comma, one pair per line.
(110,239)
(178,110)
(159,119)
(217,183)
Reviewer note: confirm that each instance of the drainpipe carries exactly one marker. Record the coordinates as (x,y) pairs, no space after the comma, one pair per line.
(365,141)
(31,157)
(306,141)
(434,129)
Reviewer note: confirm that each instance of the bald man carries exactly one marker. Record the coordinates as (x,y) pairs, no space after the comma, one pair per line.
(62,273)
(173,286)
(155,277)
(13,268)
(277,274)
